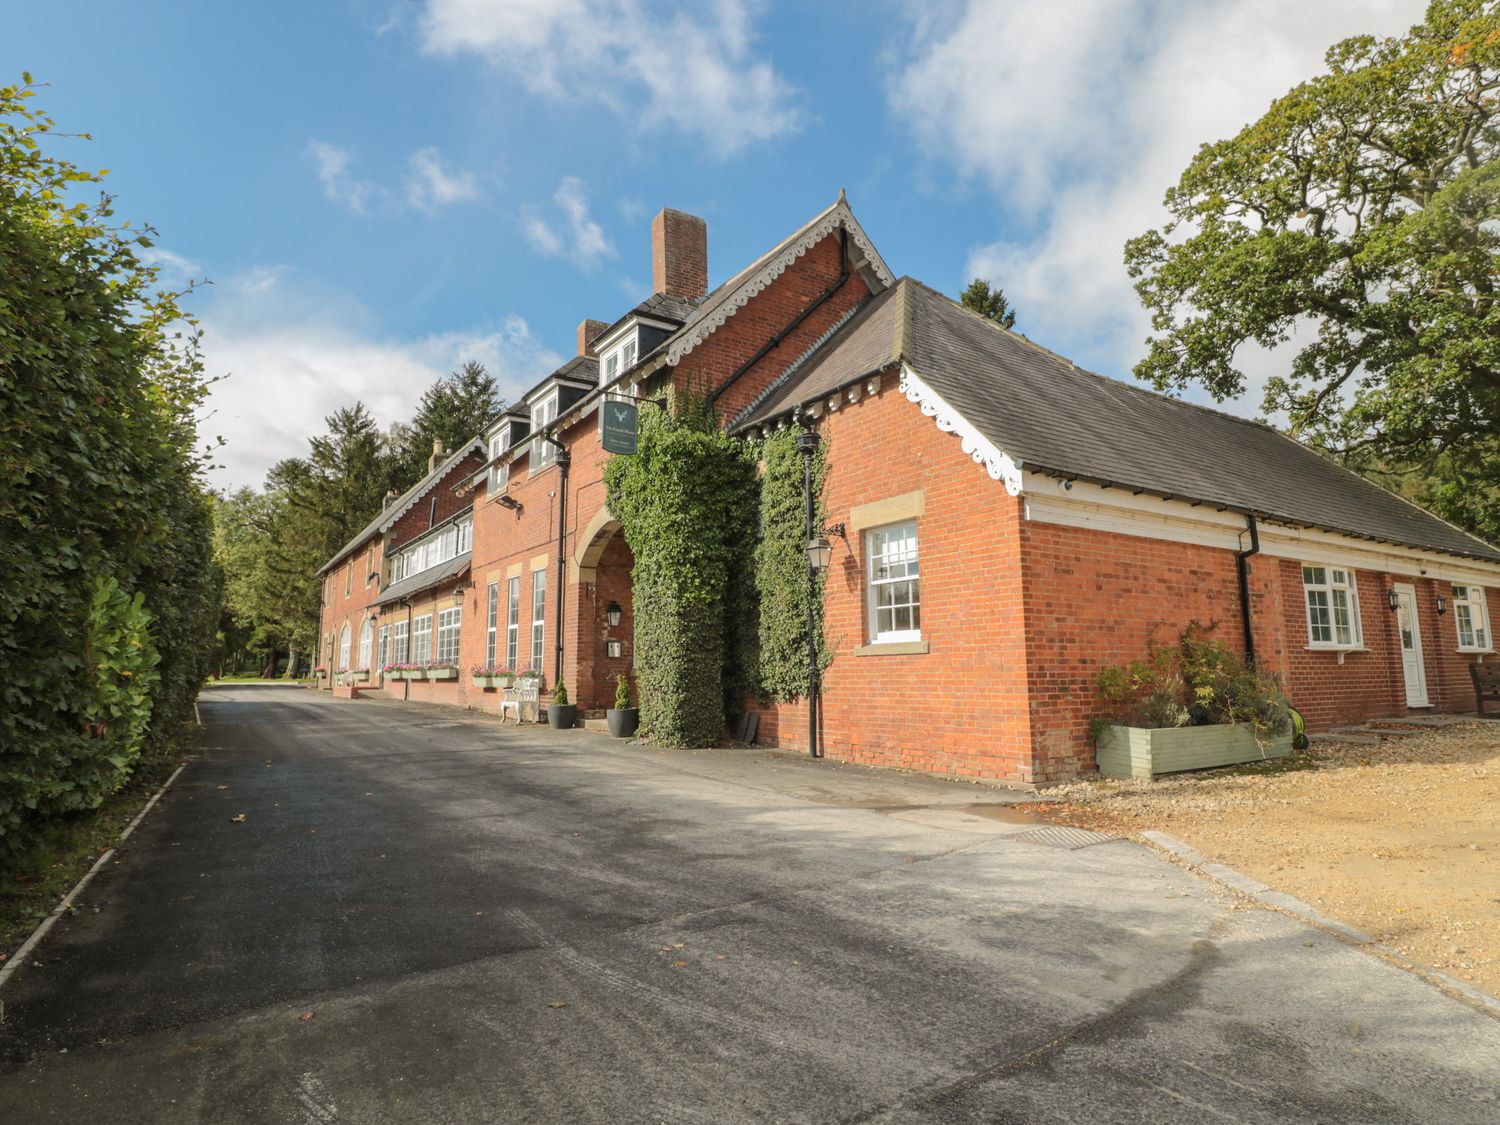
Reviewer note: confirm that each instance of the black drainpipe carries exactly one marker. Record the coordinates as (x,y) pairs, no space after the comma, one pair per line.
(564,460)
(1241,561)
(775,340)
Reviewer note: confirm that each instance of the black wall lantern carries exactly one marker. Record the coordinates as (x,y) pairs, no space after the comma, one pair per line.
(458,596)
(613,614)
(1395,599)
(1442,605)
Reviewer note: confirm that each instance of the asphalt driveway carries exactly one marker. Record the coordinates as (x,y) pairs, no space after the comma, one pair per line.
(424,916)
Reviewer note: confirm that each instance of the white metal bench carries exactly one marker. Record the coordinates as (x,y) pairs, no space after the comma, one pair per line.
(521,695)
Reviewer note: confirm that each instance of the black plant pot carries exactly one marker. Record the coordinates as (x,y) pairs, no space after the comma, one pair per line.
(623,720)
(562,716)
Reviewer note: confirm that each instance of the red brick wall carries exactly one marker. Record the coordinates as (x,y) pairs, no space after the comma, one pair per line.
(369,559)
(709,364)
(960,708)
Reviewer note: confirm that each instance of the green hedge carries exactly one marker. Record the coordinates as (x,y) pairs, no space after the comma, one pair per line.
(109,598)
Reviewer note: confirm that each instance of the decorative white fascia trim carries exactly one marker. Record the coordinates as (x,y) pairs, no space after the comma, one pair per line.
(996,462)
(773,267)
(1081,504)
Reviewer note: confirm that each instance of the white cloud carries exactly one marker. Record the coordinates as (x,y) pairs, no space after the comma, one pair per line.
(432,184)
(1079,116)
(573,234)
(293,356)
(340,185)
(691,67)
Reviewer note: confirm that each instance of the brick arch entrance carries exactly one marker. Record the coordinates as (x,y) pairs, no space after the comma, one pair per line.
(601,568)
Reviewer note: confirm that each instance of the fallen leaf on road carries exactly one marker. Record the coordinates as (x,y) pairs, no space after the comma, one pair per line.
(381,856)
(221,788)
(237,819)
(718,956)
(679,964)
(557,1004)
(678,945)
(312,831)
(305,1016)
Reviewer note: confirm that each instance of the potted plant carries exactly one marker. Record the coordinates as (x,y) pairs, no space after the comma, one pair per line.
(1193,705)
(436,671)
(622,717)
(562,714)
(482,676)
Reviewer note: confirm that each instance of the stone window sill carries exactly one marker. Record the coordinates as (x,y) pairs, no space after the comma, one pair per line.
(893,648)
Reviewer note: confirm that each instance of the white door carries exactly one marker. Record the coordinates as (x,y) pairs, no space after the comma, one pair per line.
(1411,646)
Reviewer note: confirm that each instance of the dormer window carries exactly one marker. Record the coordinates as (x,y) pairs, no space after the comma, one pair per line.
(543,452)
(617,360)
(499,474)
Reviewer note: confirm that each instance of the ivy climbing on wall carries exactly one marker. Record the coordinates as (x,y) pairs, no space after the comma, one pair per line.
(781,567)
(687,503)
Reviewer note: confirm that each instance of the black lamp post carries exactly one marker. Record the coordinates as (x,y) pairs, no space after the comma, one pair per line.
(818,551)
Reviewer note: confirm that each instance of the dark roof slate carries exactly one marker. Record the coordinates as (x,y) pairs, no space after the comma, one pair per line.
(1052,416)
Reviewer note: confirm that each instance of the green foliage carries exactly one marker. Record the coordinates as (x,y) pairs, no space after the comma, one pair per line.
(110,598)
(989,303)
(454,410)
(1198,681)
(686,500)
(781,567)
(560,695)
(622,693)
(1355,222)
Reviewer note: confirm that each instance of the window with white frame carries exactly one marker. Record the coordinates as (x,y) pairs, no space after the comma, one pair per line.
(895,588)
(450,622)
(513,623)
(421,639)
(499,474)
(543,452)
(465,536)
(492,613)
(383,649)
(399,645)
(344,638)
(1332,607)
(366,642)
(538,611)
(1472,616)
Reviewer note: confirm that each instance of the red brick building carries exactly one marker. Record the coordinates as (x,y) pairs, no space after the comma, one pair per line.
(1010,525)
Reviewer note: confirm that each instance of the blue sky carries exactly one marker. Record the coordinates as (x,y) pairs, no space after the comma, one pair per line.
(381,189)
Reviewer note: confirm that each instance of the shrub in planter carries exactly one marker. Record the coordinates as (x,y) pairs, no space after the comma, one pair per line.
(622,717)
(562,714)
(1238,714)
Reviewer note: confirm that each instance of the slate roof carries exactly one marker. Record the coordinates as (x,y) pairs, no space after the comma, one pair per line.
(1051,416)
(433,576)
(402,504)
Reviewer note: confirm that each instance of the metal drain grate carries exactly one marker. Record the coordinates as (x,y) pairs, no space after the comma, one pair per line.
(1070,838)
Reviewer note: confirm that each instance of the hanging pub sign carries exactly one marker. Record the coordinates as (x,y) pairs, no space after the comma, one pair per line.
(619,426)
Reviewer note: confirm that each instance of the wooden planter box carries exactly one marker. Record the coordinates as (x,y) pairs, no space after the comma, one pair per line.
(1144,752)
(488,682)
(442,673)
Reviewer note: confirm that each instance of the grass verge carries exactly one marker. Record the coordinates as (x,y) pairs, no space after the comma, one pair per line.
(63,850)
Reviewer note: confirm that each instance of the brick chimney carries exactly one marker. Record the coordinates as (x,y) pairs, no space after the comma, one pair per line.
(588,332)
(438,453)
(390,498)
(679,254)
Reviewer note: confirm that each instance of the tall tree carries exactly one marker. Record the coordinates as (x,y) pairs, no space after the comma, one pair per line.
(455,409)
(989,303)
(1355,224)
